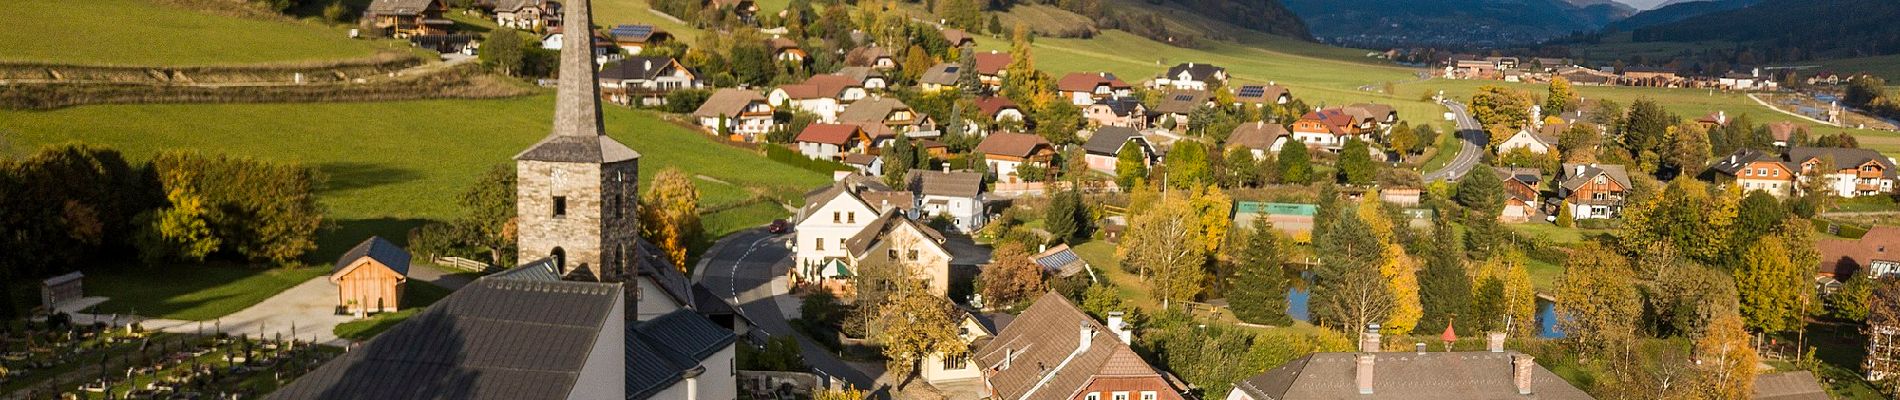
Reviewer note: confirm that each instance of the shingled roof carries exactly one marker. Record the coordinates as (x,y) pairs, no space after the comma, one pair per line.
(1572,179)
(577,136)
(948,184)
(1042,355)
(833,134)
(881,229)
(992,63)
(1108,140)
(1843,158)
(1087,82)
(636,67)
(664,350)
(727,102)
(1257,136)
(1412,376)
(1843,258)
(493,339)
(1011,144)
(1196,71)
(398,7)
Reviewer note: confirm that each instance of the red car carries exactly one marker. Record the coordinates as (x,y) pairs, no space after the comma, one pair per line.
(779,226)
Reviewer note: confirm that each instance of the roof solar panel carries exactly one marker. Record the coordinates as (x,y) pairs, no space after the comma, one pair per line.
(1252,91)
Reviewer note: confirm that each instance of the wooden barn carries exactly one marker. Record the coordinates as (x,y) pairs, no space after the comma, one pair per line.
(370,276)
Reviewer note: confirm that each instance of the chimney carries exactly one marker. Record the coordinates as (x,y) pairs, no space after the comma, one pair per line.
(1363,372)
(1494,342)
(1369,341)
(1579,169)
(649,64)
(1521,366)
(1419,347)
(1088,337)
(1120,326)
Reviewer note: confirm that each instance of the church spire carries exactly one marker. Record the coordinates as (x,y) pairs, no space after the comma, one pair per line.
(577,102)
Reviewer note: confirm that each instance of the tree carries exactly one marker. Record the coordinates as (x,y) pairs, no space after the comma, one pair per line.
(1396,268)
(1355,164)
(1164,245)
(1405,141)
(914,324)
(259,211)
(1689,151)
(916,62)
(1560,97)
(1854,301)
(1057,121)
(1770,286)
(1444,287)
(490,213)
(1011,278)
(1646,131)
(1188,165)
(1131,165)
(898,160)
(1597,299)
(1565,218)
(1259,285)
(1517,299)
(1347,288)
(1295,167)
(1726,358)
(669,214)
(504,51)
(847,393)
(1065,216)
(1481,191)
(181,231)
(996,24)
(1501,106)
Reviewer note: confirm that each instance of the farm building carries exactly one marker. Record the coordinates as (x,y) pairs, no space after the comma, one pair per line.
(369,277)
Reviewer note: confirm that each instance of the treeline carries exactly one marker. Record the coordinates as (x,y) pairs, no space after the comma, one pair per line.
(76,205)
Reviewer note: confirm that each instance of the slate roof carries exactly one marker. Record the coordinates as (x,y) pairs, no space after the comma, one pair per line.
(379,249)
(1011,144)
(941,74)
(541,270)
(835,134)
(1061,261)
(948,184)
(1037,342)
(577,136)
(1087,82)
(859,75)
(1845,257)
(1843,158)
(992,62)
(728,102)
(663,350)
(1182,101)
(1740,159)
(652,264)
(1797,385)
(1257,136)
(850,187)
(1198,71)
(636,67)
(493,339)
(1121,106)
(1404,375)
(867,56)
(1108,140)
(1572,180)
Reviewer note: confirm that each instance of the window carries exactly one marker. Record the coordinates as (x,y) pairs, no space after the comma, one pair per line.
(560,206)
(818,244)
(834,217)
(851,217)
(1119,396)
(1598,196)
(1093,396)
(957,362)
(911,254)
(1761,171)
(1149,396)
(1748,172)
(620,205)
(841,243)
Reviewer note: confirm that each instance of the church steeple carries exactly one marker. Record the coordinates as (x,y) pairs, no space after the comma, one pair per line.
(577,135)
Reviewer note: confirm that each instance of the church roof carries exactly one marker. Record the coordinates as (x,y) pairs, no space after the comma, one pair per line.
(577,136)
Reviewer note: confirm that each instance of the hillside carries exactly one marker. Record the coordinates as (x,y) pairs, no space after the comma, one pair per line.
(1389,23)
(139,32)
(1793,29)
(1677,12)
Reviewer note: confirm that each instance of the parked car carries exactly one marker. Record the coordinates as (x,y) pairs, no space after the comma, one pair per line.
(779,226)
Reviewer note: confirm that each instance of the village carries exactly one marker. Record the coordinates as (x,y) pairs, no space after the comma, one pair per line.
(925,212)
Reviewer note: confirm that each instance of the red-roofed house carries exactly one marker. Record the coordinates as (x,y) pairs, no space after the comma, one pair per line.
(825,95)
(1082,88)
(1327,129)
(830,141)
(1877,253)
(1006,152)
(999,108)
(990,68)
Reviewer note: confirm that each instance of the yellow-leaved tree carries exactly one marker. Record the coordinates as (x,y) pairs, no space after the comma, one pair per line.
(1726,359)
(1399,269)
(1519,303)
(669,214)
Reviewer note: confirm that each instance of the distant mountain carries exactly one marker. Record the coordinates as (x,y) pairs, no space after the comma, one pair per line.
(1384,23)
(1793,29)
(1678,10)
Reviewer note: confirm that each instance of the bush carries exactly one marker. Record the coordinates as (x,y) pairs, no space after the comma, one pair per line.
(686,101)
(780,353)
(796,159)
(257,210)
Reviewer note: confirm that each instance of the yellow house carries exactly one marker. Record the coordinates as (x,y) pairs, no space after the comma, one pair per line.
(369,277)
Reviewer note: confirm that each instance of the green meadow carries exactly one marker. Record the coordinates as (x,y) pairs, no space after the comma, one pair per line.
(140,32)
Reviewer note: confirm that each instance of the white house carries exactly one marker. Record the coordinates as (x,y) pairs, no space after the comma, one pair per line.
(953,196)
(524,14)
(1855,172)
(1103,149)
(645,80)
(1528,139)
(830,141)
(830,218)
(1191,76)
(743,113)
(824,95)
(1084,89)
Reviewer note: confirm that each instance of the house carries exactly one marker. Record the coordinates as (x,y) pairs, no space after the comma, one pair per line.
(1191,76)
(1008,152)
(872,56)
(1825,78)
(956,197)
(1713,120)
(991,67)
(1378,115)
(1651,76)
(1746,81)
(1855,173)
(1784,132)
(1796,385)
(785,50)
(865,164)
(940,77)
(971,331)
(636,38)
(1375,374)
(645,80)
(1126,112)
(1533,139)
(831,141)
(681,355)
(1520,188)
(1758,170)
(896,240)
(370,277)
(1471,69)
(1262,95)
(1178,104)
(604,49)
(746,10)
(1061,261)
(1103,149)
(1593,190)
(527,15)
(1258,138)
(1055,351)
(831,217)
(1082,88)
(958,38)
(824,95)
(402,19)
(63,288)
(741,113)
(1876,253)
(999,109)
(866,77)
(1328,129)
(888,112)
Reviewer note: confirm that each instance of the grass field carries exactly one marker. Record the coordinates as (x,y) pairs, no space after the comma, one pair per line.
(192,293)
(609,13)
(392,165)
(416,296)
(138,32)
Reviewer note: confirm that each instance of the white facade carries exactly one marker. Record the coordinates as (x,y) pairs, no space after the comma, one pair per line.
(655,303)
(1320,139)
(1524,139)
(822,151)
(965,213)
(1848,185)
(1005,170)
(821,234)
(604,374)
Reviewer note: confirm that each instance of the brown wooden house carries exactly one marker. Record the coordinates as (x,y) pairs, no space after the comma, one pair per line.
(407,18)
(370,277)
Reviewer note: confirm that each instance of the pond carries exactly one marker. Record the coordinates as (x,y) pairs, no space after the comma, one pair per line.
(1297,299)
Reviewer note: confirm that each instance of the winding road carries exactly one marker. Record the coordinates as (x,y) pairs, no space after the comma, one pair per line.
(1471,136)
(749,269)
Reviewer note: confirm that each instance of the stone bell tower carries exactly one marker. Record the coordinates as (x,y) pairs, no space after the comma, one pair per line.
(576,190)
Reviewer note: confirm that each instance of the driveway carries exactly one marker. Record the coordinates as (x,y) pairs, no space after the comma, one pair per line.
(306,311)
(1472,141)
(749,269)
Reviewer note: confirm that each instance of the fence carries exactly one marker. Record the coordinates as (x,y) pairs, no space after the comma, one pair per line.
(462,264)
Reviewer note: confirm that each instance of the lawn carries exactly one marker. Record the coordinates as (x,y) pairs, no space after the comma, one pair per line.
(416,296)
(609,13)
(393,165)
(192,293)
(139,32)
(1100,255)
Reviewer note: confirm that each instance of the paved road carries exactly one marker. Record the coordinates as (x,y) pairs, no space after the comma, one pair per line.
(749,270)
(1472,139)
(306,311)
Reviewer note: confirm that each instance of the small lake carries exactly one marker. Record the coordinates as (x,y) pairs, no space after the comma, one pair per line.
(1297,307)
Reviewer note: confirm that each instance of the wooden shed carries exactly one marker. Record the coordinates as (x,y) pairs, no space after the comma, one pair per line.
(63,288)
(370,276)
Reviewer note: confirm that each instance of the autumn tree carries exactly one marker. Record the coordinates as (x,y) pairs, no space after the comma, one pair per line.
(504,51)
(1518,299)
(1258,288)
(1164,246)
(1854,300)
(1188,166)
(1502,107)
(1396,268)
(1688,152)
(1295,165)
(913,325)
(1012,277)
(179,231)
(1348,290)
(489,207)
(1130,165)
(1726,357)
(669,214)
(1597,298)
(1561,96)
